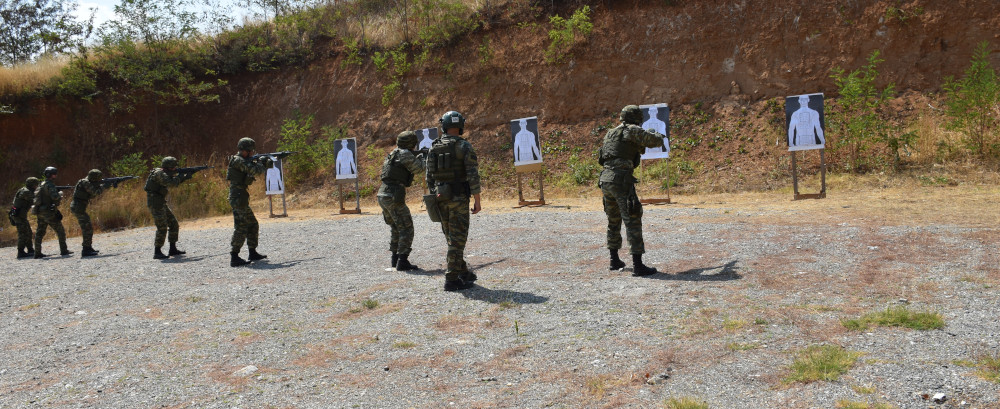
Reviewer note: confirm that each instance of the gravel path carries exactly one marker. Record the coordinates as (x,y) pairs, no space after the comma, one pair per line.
(324,325)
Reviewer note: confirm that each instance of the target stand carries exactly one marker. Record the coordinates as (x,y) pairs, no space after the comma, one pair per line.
(357,196)
(521,170)
(270,206)
(659,201)
(795,178)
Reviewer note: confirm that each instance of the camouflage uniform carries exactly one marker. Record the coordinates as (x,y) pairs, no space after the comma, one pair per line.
(241,174)
(23,199)
(620,155)
(453,174)
(47,202)
(397,174)
(156,199)
(82,193)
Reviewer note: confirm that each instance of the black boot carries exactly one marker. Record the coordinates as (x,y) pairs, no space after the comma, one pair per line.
(38,254)
(173,250)
(254,255)
(30,251)
(639,269)
(236,261)
(65,252)
(403,263)
(158,254)
(457,285)
(616,262)
(395,259)
(88,252)
(21,253)
(469,277)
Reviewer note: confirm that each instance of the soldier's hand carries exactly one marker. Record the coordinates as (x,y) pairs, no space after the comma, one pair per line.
(476,206)
(268,162)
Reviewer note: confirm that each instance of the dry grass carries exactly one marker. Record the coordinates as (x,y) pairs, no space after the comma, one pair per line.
(27,77)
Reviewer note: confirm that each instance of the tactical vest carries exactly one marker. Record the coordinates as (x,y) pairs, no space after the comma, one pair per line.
(237,177)
(616,147)
(393,172)
(43,198)
(79,193)
(154,186)
(24,198)
(447,159)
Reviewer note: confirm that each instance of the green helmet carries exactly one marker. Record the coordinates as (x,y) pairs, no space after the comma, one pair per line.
(406,140)
(95,175)
(246,144)
(49,171)
(452,119)
(168,162)
(31,183)
(631,114)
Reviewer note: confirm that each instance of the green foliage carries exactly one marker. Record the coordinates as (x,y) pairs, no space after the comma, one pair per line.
(389,91)
(485,51)
(989,368)
(370,303)
(314,155)
(564,33)
(821,363)
(443,20)
(582,171)
(381,60)
(129,165)
(685,403)
(897,317)
(973,103)
(849,404)
(353,56)
(859,119)
(34,27)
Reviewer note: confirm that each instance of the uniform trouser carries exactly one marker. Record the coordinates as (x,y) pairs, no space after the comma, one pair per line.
(46,219)
(616,206)
(86,228)
(245,228)
(397,216)
(165,221)
(455,225)
(23,232)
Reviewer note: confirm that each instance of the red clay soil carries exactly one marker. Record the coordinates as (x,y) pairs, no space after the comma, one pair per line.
(729,56)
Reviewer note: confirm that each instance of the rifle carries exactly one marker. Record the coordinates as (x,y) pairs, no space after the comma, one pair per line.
(277,155)
(189,172)
(61,188)
(113,182)
(423,151)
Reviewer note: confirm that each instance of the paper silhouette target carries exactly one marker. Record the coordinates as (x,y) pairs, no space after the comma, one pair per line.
(425,137)
(274,178)
(657,118)
(804,118)
(346,152)
(524,139)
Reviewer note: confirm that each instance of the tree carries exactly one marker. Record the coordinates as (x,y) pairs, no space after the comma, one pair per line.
(974,102)
(29,28)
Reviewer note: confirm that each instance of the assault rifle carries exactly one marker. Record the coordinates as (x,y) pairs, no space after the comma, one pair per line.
(277,155)
(189,172)
(61,188)
(113,182)
(423,151)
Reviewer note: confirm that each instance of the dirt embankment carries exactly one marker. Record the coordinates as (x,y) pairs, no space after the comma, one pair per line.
(720,53)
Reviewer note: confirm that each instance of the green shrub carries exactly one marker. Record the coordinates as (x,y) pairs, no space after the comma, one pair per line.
(130,165)
(897,317)
(564,33)
(973,103)
(821,363)
(989,368)
(685,403)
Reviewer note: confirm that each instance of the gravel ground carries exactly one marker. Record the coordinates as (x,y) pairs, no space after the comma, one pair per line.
(323,324)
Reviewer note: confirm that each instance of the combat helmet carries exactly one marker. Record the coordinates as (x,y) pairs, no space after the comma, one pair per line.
(406,140)
(631,114)
(49,171)
(246,144)
(168,162)
(31,183)
(94,175)
(452,119)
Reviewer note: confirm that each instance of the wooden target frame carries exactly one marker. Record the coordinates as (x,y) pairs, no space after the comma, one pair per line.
(357,196)
(795,177)
(658,201)
(521,170)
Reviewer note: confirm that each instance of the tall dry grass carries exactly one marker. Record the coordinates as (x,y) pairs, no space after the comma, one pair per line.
(28,77)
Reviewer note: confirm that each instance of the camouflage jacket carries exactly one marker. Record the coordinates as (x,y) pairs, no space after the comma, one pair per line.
(86,190)
(23,200)
(470,162)
(400,159)
(619,154)
(242,172)
(47,197)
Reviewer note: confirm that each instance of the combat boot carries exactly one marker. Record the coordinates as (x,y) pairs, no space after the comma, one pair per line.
(254,255)
(469,277)
(173,250)
(236,261)
(88,252)
(30,251)
(65,252)
(616,262)
(457,285)
(403,263)
(22,254)
(395,259)
(158,254)
(38,255)
(639,269)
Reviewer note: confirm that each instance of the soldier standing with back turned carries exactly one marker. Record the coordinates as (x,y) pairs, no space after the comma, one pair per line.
(397,174)
(47,200)
(18,215)
(156,199)
(86,189)
(242,170)
(620,156)
(453,176)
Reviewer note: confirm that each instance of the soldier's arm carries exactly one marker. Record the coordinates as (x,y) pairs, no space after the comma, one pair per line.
(168,180)
(94,188)
(471,168)
(411,162)
(249,167)
(644,137)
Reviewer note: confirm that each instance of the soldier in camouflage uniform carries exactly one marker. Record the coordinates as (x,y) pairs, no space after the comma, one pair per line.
(453,175)
(86,189)
(620,156)
(241,173)
(156,199)
(397,174)
(18,215)
(47,200)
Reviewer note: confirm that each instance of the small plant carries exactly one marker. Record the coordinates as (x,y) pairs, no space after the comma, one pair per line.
(821,363)
(564,33)
(973,103)
(353,56)
(741,346)
(850,404)
(404,345)
(485,51)
(370,304)
(989,368)
(507,304)
(685,403)
(897,317)
(129,165)
(195,299)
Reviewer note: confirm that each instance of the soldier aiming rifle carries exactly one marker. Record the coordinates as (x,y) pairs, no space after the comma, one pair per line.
(275,155)
(108,183)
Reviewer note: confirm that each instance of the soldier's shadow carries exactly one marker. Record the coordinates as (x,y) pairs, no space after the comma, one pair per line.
(727,272)
(266,264)
(502,296)
(182,259)
(439,271)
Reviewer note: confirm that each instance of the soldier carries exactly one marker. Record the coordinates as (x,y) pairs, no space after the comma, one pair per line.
(620,155)
(453,176)
(86,189)
(156,199)
(241,172)
(18,215)
(47,200)
(397,174)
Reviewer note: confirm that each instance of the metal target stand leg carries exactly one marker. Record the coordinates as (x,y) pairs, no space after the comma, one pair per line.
(357,196)
(795,178)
